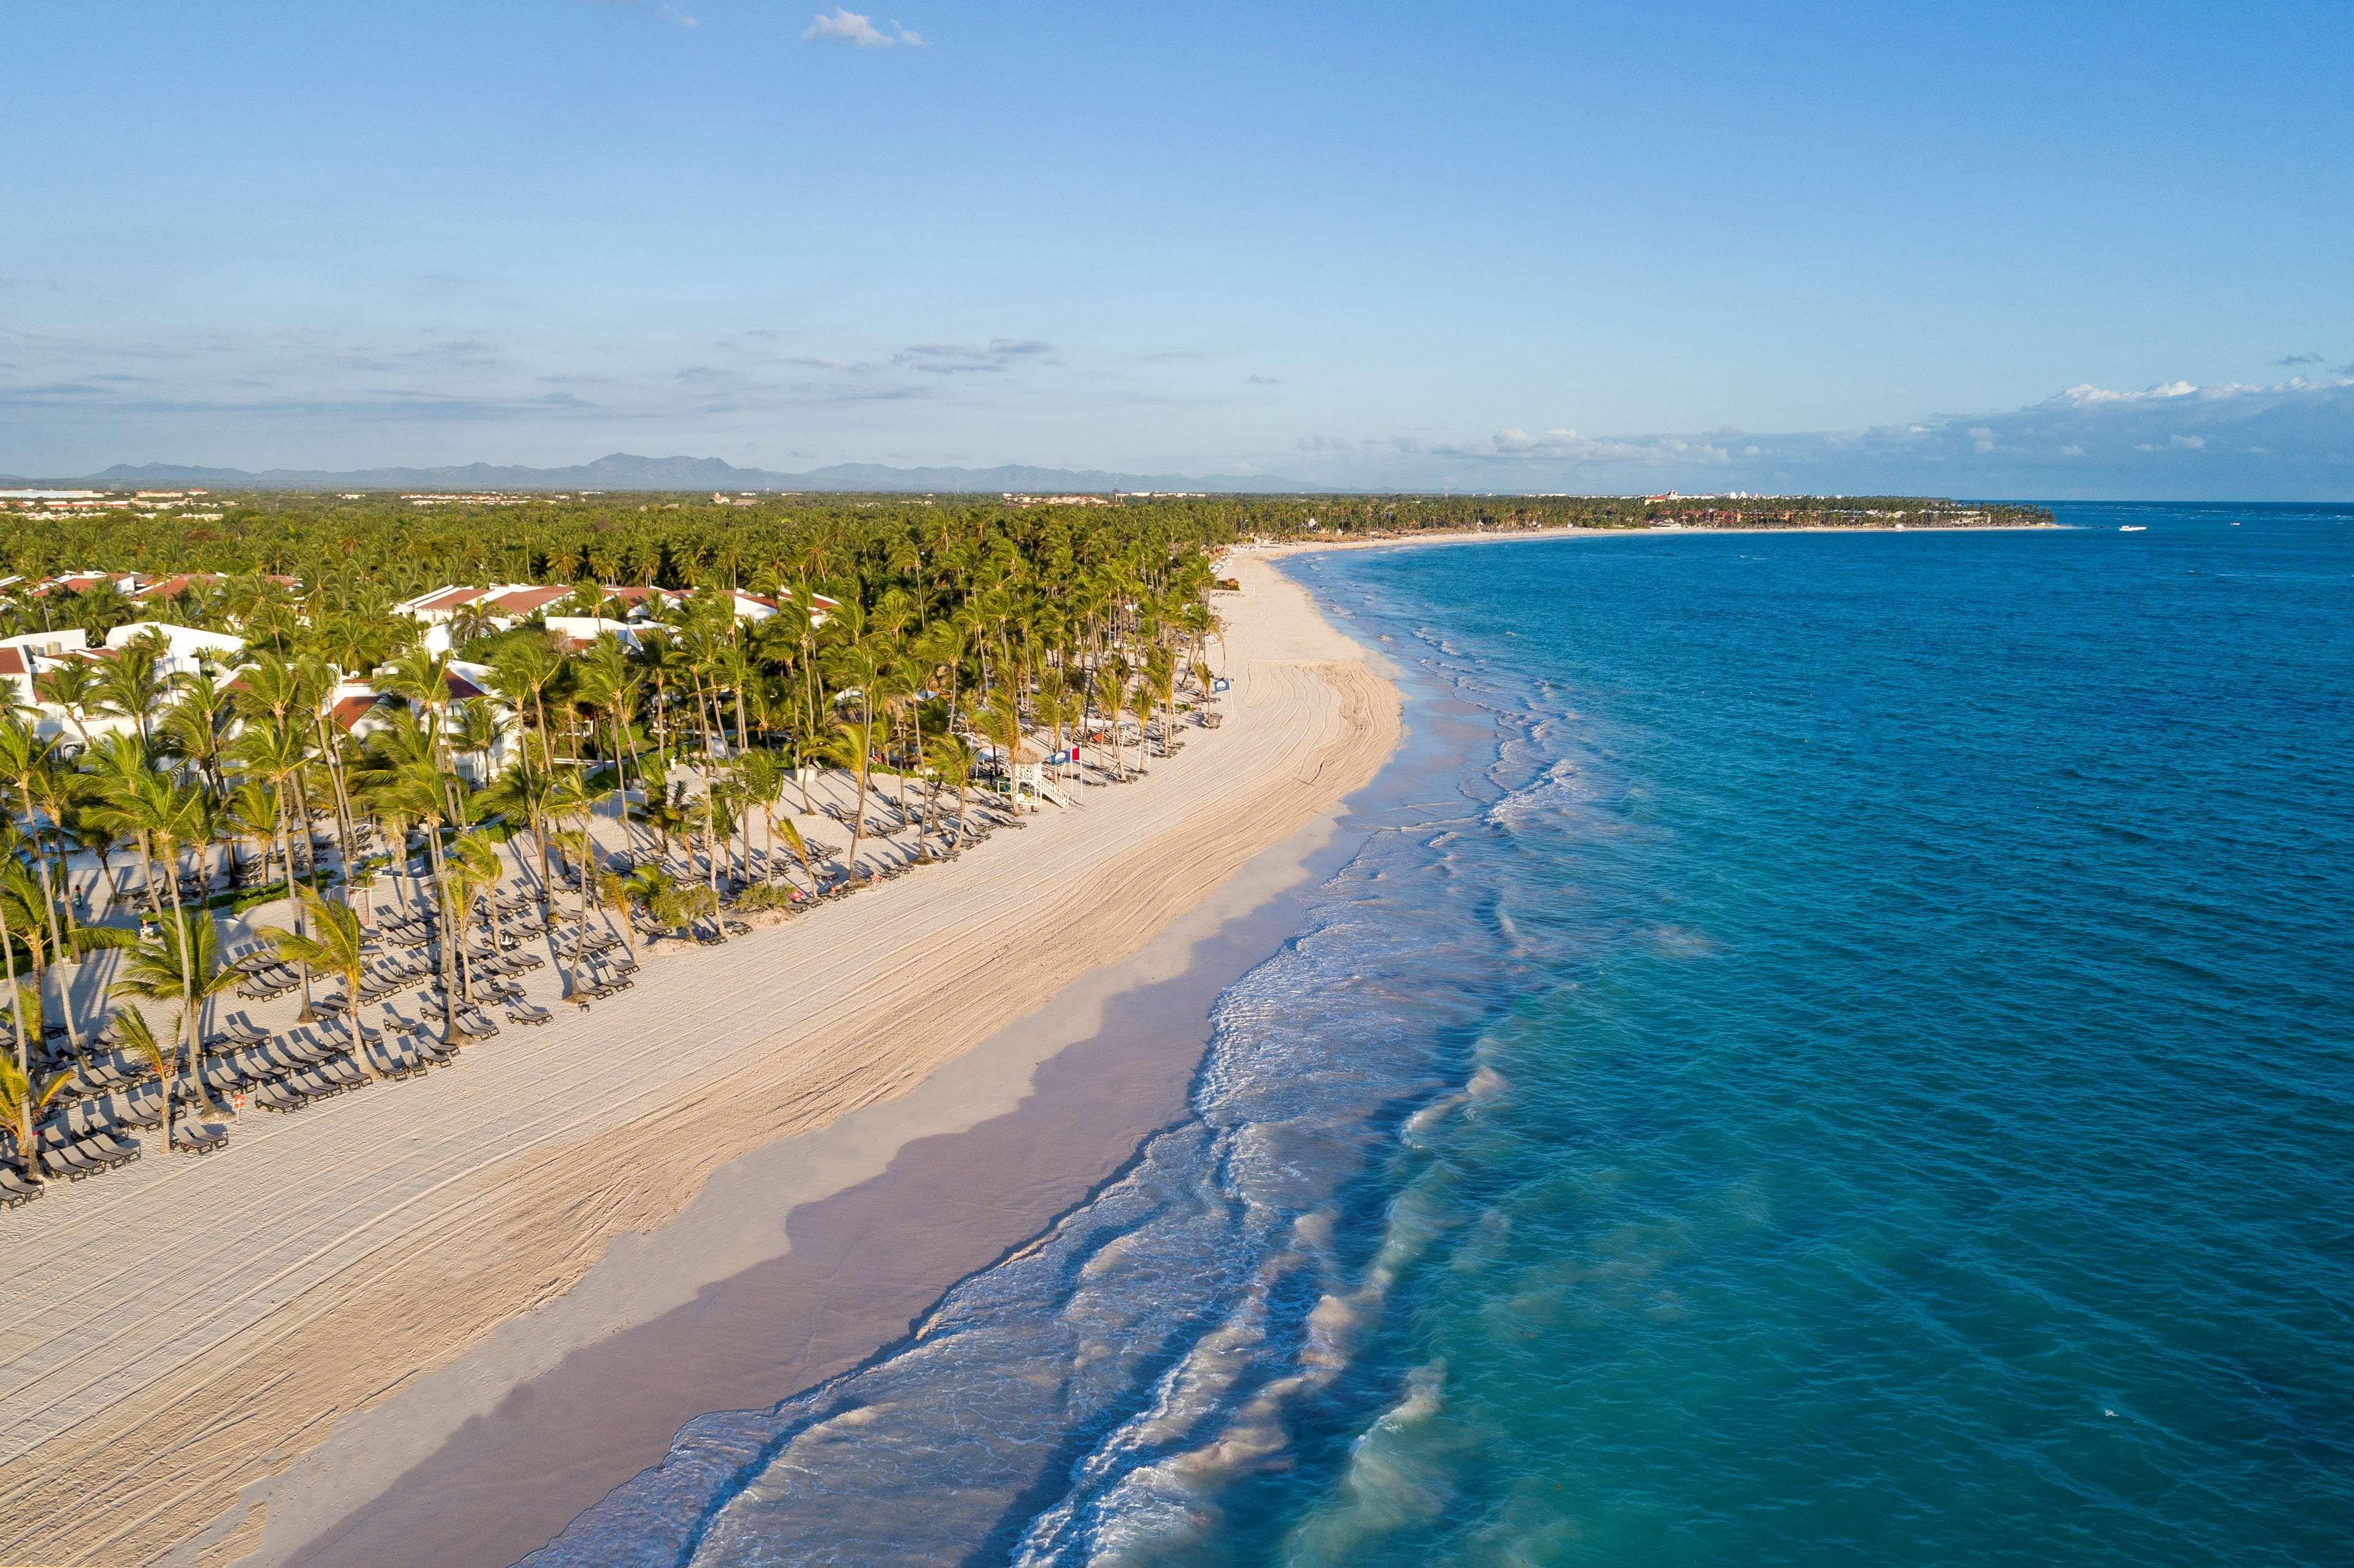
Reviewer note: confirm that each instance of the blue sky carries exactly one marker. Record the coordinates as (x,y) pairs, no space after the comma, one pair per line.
(1546,246)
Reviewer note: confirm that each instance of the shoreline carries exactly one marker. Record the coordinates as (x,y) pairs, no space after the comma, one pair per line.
(874,1216)
(1268,551)
(857,1007)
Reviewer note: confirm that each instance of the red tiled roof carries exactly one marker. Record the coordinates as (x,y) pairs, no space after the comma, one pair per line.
(450,598)
(522,601)
(460,688)
(351,709)
(12,662)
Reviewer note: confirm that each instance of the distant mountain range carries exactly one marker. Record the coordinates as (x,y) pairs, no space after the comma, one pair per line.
(622,471)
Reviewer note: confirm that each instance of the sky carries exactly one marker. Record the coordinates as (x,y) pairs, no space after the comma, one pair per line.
(1992,250)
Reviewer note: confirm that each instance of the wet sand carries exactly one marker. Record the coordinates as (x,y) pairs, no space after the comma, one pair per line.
(862,1266)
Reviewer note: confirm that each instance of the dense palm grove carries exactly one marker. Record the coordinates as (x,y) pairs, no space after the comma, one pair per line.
(911,660)
(919,644)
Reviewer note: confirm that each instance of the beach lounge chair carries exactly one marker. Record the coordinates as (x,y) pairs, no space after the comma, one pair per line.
(64,1162)
(101,1145)
(395,1063)
(199,1138)
(14,1191)
(475,1025)
(278,1095)
(527,1013)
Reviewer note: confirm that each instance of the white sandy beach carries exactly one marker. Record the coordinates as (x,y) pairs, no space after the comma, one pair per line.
(187,1328)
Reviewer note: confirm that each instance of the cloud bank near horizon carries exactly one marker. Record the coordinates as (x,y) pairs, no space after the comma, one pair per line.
(775,399)
(2294,440)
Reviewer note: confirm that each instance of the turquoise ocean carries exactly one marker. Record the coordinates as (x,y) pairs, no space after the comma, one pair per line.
(1825,1049)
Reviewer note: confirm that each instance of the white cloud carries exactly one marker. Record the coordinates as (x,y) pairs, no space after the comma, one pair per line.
(2286,439)
(2085,396)
(842,26)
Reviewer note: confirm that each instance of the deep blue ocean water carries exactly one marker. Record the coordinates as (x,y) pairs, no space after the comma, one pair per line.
(1831,1049)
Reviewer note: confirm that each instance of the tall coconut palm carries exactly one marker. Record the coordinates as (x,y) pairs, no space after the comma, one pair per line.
(850,745)
(8,950)
(952,769)
(132,683)
(421,679)
(1112,695)
(181,963)
(138,1037)
(404,783)
(336,944)
(23,1100)
(999,721)
(574,803)
(524,794)
(27,761)
(473,873)
(198,725)
(71,685)
(1161,686)
(171,814)
(524,674)
(607,686)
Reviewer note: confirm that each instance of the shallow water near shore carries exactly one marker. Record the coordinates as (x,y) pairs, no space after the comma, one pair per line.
(1830,1049)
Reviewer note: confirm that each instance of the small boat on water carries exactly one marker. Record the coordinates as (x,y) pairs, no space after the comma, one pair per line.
(2132,528)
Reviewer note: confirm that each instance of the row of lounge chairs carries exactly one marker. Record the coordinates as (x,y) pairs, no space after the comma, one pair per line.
(112,1092)
(76,1158)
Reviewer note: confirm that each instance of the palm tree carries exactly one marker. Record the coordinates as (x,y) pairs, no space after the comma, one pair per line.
(22,1101)
(527,791)
(473,873)
(421,679)
(250,811)
(607,686)
(72,684)
(336,945)
(198,724)
(575,799)
(615,890)
(999,722)
(132,682)
(849,745)
(27,761)
(522,674)
(180,963)
(953,768)
(1160,683)
(1113,699)
(8,838)
(138,1037)
(404,784)
(471,621)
